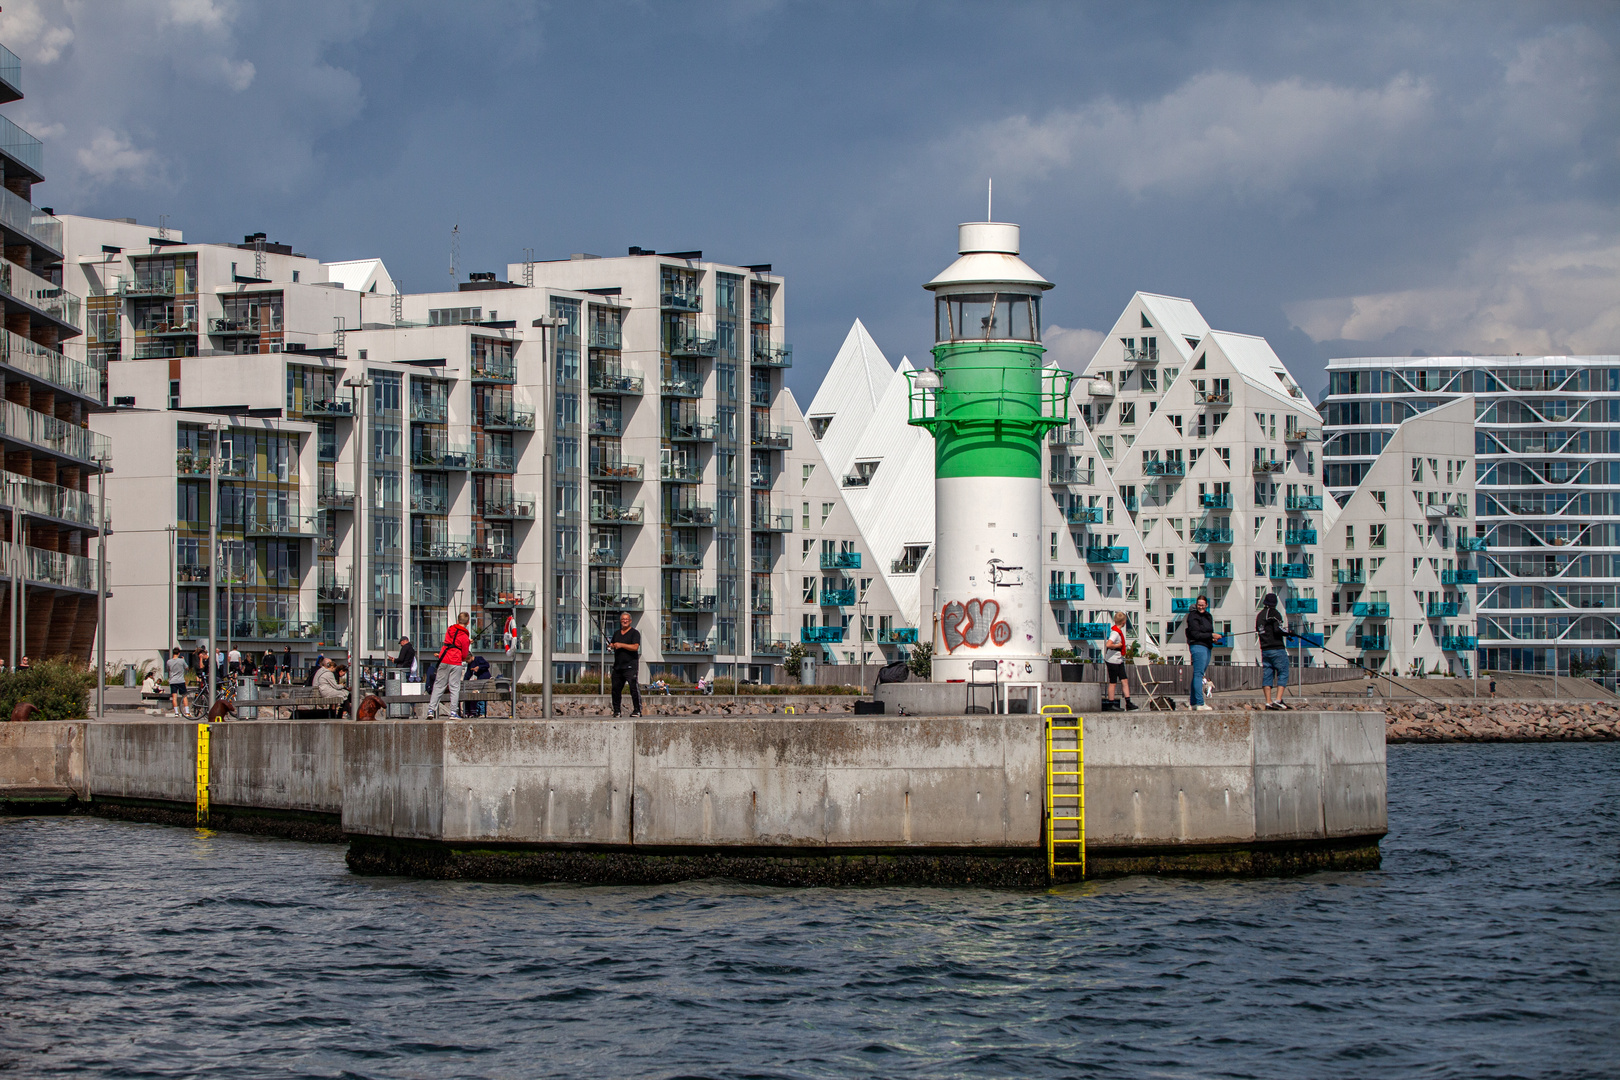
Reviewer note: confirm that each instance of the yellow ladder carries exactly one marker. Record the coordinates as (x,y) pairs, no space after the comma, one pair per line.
(1065,789)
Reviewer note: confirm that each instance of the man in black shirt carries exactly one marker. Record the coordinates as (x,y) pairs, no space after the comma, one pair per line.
(626,646)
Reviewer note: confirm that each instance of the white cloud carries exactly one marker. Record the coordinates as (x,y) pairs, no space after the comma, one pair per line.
(29,31)
(1216,130)
(1525,296)
(111,158)
(1071,348)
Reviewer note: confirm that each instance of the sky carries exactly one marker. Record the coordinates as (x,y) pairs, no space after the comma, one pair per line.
(1345,179)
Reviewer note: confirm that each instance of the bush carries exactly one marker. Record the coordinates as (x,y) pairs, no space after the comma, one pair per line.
(921,660)
(793,660)
(58,688)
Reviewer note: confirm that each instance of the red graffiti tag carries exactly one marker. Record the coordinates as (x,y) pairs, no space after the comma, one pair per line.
(972,624)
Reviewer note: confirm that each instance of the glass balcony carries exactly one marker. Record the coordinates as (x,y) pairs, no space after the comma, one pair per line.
(837,597)
(507,418)
(1459,577)
(1300,605)
(772,354)
(603,513)
(769,646)
(690,516)
(1142,356)
(1459,642)
(1217,570)
(604,337)
(519,595)
(759,481)
(623,600)
(31,289)
(681,301)
(769,438)
(762,602)
(492,369)
(682,558)
(680,472)
(769,521)
(444,458)
(900,635)
(821,635)
(1309,640)
(624,381)
(24,147)
(1286,570)
(1107,554)
(1180,605)
(489,551)
(34,359)
(1264,468)
(246,327)
(1219,501)
(696,430)
(430,411)
(1349,577)
(692,345)
(682,646)
(1299,537)
(610,555)
(491,461)
(1373,642)
(1164,468)
(510,507)
(1212,536)
(430,593)
(1063,592)
(434,502)
(1472,543)
(1304,502)
(290,524)
(490,638)
(840,560)
(1302,434)
(1056,475)
(1083,515)
(702,600)
(686,386)
(20,215)
(1065,436)
(335,590)
(52,435)
(1213,397)
(1088,631)
(1375,610)
(622,469)
(44,499)
(323,407)
(1440,609)
(446,550)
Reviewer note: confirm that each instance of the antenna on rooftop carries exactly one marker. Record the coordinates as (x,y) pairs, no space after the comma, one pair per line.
(163,226)
(397,302)
(528,267)
(990,199)
(455,250)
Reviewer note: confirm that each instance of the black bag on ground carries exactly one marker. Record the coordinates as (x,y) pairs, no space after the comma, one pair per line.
(895,672)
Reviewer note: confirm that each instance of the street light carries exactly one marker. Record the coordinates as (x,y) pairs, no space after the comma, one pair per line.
(547,512)
(101,590)
(14,562)
(357,601)
(210,667)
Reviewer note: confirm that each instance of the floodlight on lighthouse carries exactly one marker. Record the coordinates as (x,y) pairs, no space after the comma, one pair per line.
(928,379)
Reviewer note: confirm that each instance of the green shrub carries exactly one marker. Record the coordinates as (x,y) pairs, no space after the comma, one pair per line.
(921,661)
(58,688)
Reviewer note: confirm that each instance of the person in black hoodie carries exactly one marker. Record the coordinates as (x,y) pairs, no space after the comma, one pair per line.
(1273,651)
(1200,640)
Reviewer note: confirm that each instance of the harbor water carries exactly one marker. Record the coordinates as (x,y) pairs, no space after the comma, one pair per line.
(1487,945)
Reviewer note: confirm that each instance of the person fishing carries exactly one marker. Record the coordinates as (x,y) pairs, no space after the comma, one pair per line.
(1273,637)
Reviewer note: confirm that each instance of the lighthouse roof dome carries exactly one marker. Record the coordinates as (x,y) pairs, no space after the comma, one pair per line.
(989,256)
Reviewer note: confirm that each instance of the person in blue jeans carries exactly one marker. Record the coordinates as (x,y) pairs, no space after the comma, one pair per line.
(1273,651)
(1200,640)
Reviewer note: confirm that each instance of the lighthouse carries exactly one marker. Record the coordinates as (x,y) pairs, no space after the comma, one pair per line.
(988,401)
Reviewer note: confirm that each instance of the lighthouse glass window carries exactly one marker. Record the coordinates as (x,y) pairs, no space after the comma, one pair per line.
(987,317)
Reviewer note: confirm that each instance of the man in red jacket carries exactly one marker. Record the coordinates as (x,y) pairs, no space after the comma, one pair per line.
(453,657)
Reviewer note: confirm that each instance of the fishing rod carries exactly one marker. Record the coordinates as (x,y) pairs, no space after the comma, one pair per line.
(1349,660)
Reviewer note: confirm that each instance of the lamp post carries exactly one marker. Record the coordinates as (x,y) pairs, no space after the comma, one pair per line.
(14,561)
(210,668)
(173,573)
(101,590)
(545,600)
(357,600)
(860,638)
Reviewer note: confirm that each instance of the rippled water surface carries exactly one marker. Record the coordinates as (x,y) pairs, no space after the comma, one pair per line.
(1489,945)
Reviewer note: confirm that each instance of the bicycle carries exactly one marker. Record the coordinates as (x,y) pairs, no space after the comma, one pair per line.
(199,705)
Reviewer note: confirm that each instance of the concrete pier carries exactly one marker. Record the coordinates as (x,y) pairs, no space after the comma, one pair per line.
(881,799)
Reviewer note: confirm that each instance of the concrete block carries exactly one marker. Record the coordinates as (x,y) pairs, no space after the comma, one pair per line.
(278,765)
(142,760)
(1355,780)
(393,779)
(43,757)
(1288,775)
(559,782)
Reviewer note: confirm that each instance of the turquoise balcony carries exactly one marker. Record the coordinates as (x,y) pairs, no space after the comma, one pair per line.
(1164,468)
(1459,642)
(904,635)
(1310,641)
(1212,536)
(1299,537)
(1349,577)
(1107,554)
(1300,605)
(1459,577)
(1285,570)
(1440,609)
(1370,611)
(1472,543)
(1088,631)
(1083,515)
(1061,593)
(1181,604)
(840,560)
(837,597)
(1217,569)
(1222,501)
(1304,502)
(1373,642)
(821,635)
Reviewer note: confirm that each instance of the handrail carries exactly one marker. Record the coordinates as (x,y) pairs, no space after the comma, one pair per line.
(46,363)
(49,433)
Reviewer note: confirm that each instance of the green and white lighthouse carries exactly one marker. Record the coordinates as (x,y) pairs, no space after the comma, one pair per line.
(989,402)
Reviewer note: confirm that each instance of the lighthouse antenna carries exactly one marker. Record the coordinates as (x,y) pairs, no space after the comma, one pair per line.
(990,199)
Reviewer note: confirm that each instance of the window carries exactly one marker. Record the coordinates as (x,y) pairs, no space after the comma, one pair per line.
(1105,445)
(174,396)
(805,548)
(1382,499)
(1127,412)
(1052,551)
(1150,381)
(1169,564)
(826,511)
(804,480)
(1417,470)
(1175,422)
(1375,536)
(808,589)
(1226,455)
(806,517)
(1350,538)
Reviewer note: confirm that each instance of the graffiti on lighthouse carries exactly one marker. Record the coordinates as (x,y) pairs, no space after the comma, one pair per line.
(973,623)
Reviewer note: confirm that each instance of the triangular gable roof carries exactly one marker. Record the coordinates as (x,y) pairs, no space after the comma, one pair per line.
(1176,316)
(1254,361)
(856,379)
(362,275)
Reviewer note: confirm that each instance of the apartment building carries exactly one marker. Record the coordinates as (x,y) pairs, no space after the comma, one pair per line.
(1400,569)
(52,461)
(1546,536)
(1212,447)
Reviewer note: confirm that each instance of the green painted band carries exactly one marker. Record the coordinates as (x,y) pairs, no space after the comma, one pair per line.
(990,418)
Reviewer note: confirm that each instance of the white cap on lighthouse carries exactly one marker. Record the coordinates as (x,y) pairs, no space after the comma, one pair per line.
(989,256)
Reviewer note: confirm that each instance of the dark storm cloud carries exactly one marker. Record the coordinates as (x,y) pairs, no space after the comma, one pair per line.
(1343,179)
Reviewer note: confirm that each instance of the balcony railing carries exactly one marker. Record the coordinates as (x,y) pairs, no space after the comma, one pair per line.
(53,568)
(509,418)
(837,597)
(519,595)
(53,435)
(612,555)
(681,472)
(1087,631)
(1373,642)
(223,327)
(769,646)
(1443,510)
(693,600)
(1212,536)
(772,521)
(430,593)
(821,635)
(609,514)
(1058,475)
(491,638)
(1063,592)
(693,345)
(759,314)
(1304,502)
(52,500)
(1217,501)
(1300,605)
(1107,554)
(857,480)
(604,337)
(623,600)
(1472,543)
(492,552)
(840,560)
(448,550)
(762,602)
(281,523)
(1349,577)
(690,515)
(1302,434)
(1164,468)
(336,498)
(35,359)
(681,646)
(1459,577)
(1442,609)
(1065,436)
(518,507)
(769,438)
(34,290)
(622,469)
(681,386)
(1285,570)
(1213,397)
(1180,605)
(441,458)
(22,146)
(1299,537)
(1083,515)
(252,628)
(1370,610)
(314,406)
(681,558)
(490,369)
(681,301)
(1459,642)
(1217,570)
(617,381)
(493,461)
(772,354)
(1142,356)
(1265,468)
(701,430)
(19,214)
(760,481)
(336,590)
(900,635)
(430,502)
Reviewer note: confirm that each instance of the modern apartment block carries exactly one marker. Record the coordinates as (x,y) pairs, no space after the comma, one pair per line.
(51,458)
(679,493)
(1400,552)
(1212,447)
(1546,538)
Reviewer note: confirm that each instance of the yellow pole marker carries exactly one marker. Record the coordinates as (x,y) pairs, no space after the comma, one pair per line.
(202,774)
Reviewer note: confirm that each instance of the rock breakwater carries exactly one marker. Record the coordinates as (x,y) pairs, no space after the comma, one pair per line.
(1502,721)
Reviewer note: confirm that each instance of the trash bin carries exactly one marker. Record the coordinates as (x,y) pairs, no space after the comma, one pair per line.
(129,676)
(246,690)
(398,710)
